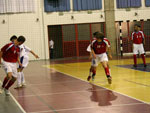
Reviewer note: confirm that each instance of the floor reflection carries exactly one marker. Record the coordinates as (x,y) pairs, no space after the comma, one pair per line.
(101,96)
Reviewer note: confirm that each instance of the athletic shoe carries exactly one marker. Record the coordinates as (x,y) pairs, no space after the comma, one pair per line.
(145,65)
(93,77)
(89,77)
(109,80)
(23,84)
(1,90)
(134,65)
(18,86)
(7,93)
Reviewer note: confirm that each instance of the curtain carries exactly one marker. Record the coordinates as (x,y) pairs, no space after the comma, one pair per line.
(17,6)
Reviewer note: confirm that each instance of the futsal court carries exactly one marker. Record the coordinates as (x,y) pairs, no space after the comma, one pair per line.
(59,36)
(62,88)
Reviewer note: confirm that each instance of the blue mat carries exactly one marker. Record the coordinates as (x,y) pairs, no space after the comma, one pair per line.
(140,67)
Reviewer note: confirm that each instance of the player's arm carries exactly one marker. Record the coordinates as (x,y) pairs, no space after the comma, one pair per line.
(93,53)
(19,61)
(109,51)
(35,55)
(28,49)
(143,37)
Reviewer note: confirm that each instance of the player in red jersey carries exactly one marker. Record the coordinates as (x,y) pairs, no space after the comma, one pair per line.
(92,72)
(10,55)
(138,39)
(99,49)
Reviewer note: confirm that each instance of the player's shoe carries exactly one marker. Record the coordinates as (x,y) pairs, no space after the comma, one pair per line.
(1,90)
(7,93)
(109,80)
(93,77)
(24,84)
(145,65)
(18,86)
(89,78)
(134,65)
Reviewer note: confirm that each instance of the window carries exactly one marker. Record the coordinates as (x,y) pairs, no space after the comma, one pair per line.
(128,3)
(57,5)
(87,5)
(147,3)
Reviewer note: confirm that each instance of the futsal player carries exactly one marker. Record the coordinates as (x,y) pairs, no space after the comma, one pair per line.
(92,72)
(10,55)
(138,39)
(24,59)
(99,48)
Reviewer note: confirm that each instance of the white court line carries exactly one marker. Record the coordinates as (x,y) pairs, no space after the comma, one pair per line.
(101,86)
(17,103)
(82,108)
(71,92)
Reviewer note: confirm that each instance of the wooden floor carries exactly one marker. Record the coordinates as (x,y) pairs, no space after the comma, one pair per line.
(61,87)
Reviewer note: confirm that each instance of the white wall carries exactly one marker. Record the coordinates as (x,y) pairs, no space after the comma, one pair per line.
(36,31)
(79,17)
(24,24)
(123,15)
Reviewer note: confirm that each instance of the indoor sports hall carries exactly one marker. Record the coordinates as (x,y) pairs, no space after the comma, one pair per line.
(59,32)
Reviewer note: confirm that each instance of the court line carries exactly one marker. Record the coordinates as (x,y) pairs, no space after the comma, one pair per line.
(38,97)
(137,83)
(71,92)
(99,86)
(82,108)
(17,103)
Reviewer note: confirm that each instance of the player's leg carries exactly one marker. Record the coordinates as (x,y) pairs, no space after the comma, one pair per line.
(8,70)
(23,79)
(107,72)
(90,73)
(135,52)
(104,62)
(10,83)
(5,81)
(24,65)
(93,73)
(109,68)
(141,50)
(144,60)
(94,64)
(19,85)
(13,76)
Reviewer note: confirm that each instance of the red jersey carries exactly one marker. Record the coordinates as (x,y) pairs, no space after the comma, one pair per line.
(138,37)
(10,53)
(99,48)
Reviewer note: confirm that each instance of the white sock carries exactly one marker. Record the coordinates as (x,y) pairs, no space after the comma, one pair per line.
(19,78)
(110,71)
(90,73)
(22,78)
